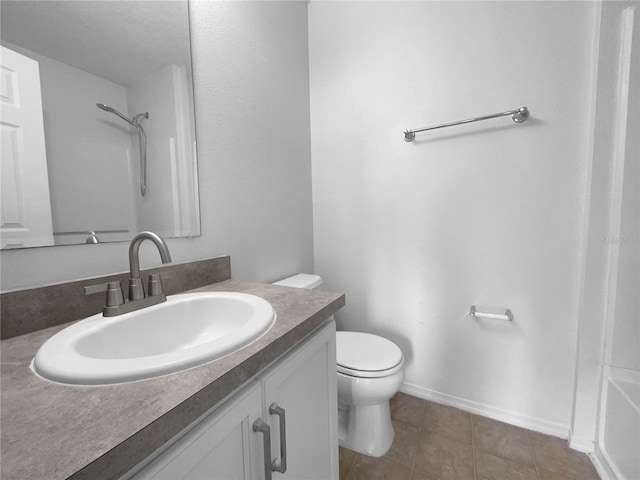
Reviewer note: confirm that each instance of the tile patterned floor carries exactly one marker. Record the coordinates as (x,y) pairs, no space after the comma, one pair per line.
(436,442)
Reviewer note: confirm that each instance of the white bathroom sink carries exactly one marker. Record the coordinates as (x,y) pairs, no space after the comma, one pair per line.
(185,331)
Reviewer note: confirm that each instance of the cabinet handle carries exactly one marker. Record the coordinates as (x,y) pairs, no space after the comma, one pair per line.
(280,465)
(260,426)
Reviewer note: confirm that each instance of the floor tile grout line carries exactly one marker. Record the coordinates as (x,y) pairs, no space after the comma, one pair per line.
(415,451)
(506,458)
(353,462)
(533,464)
(533,454)
(473,447)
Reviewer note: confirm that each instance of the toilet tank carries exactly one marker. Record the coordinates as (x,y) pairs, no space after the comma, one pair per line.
(301,280)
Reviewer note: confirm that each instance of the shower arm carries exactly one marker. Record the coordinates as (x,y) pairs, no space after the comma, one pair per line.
(124,117)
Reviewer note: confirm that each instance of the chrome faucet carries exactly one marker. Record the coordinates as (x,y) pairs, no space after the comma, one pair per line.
(136,292)
(116,304)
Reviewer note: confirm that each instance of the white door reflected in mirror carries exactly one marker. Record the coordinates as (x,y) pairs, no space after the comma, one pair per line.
(26,209)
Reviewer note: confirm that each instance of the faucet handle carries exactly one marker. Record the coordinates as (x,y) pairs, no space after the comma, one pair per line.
(115,296)
(155,283)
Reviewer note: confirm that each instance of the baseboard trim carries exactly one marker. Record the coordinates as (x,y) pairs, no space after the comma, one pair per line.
(513,418)
(581,444)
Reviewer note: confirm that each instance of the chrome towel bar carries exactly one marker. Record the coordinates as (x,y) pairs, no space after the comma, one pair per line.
(507,315)
(518,115)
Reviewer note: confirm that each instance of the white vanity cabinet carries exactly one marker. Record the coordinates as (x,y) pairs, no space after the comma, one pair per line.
(230,441)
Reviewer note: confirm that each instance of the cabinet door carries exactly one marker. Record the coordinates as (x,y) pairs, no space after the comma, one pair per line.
(221,446)
(304,384)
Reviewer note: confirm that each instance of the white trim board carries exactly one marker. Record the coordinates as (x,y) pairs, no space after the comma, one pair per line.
(513,418)
(581,443)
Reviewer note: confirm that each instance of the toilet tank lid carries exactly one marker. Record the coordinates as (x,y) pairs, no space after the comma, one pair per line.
(301,280)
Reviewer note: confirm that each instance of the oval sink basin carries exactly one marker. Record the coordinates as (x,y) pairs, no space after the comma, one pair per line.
(185,331)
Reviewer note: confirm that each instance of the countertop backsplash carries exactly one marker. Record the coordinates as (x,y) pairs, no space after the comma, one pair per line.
(26,311)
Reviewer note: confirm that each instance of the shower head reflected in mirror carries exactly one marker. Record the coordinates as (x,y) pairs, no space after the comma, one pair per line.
(135,121)
(104,107)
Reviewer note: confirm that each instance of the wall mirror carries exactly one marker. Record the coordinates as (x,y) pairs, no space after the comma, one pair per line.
(97,122)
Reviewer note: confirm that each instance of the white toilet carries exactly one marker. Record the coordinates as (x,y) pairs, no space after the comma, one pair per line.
(370,372)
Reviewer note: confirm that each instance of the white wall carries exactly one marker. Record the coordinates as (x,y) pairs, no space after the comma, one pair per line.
(487,214)
(252,119)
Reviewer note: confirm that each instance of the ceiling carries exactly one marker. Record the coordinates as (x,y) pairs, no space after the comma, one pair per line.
(120,40)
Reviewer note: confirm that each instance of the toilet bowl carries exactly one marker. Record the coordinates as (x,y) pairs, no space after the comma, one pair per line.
(370,371)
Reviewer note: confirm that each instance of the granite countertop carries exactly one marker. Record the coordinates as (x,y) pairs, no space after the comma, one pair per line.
(54,431)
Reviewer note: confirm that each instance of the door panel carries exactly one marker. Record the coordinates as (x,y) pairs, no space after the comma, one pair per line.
(26,206)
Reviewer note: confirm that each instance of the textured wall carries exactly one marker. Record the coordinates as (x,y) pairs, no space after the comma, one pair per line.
(487,214)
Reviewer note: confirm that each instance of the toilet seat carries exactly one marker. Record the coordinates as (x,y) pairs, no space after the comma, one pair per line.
(367,373)
(366,355)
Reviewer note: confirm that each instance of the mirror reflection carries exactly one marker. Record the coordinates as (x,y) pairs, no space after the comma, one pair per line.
(98,129)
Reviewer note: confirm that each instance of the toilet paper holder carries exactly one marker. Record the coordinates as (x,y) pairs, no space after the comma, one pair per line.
(507,315)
